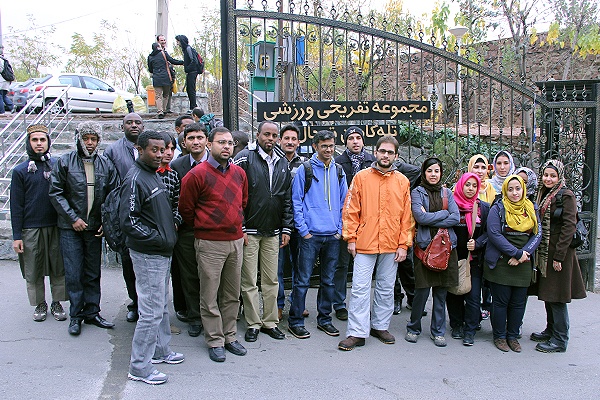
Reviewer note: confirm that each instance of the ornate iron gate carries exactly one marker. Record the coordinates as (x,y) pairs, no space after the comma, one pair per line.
(301,51)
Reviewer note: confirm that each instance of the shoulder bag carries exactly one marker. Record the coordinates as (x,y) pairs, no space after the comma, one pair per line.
(437,254)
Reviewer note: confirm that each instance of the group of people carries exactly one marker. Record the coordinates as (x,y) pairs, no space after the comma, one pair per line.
(208,211)
(160,66)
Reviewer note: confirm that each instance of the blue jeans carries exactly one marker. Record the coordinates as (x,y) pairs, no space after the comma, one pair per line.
(327,248)
(82,252)
(152,332)
(287,253)
(5,103)
(340,278)
(508,309)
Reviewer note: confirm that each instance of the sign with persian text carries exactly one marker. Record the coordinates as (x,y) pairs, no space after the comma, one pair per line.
(321,111)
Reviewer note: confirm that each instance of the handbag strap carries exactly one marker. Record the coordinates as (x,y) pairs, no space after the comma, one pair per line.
(474,219)
(168,70)
(444,199)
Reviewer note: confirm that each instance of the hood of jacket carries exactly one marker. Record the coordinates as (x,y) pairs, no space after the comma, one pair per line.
(155,49)
(183,41)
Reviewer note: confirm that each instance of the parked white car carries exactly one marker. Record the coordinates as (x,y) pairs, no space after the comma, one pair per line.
(87,93)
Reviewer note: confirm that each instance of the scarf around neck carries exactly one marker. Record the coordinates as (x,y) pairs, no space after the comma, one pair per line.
(465,204)
(43,158)
(544,198)
(357,160)
(520,215)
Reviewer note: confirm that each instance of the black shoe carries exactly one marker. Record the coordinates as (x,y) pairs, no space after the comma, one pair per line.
(299,331)
(275,333)
(195,330)
(542,336)
(397,307)
(457,333)
(468,340)
(132,316)
(341,314)
(549,347)
(236,348)
(329,329)
(75,327)
(182,316)
(100,322)
(251,335)
(217,354)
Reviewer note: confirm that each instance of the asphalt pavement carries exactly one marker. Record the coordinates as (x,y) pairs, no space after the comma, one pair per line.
(39,360)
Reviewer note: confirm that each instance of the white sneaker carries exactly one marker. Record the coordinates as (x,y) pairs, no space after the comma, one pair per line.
(155,378)
(172,358)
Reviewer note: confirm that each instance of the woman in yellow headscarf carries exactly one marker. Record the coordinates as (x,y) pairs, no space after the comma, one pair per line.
(478,164)
(514,234)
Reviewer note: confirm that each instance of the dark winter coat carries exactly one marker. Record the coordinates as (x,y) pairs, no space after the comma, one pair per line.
(158,66)
(189,64)
(567,284)
(344,160)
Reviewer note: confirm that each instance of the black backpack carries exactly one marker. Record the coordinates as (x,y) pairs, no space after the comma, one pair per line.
(581,232)
(309,175)
(198,60)
(7,73)
(111,225)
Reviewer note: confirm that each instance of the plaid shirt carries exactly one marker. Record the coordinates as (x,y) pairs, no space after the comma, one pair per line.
(171,180)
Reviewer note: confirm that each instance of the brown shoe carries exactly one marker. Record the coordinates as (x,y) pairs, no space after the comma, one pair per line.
(175,330)
(501,345)
(280,313)
(305,313)
(514,345)
(384,336)
(350,343)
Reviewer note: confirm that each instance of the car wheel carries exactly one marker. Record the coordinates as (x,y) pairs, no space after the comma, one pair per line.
(57,108)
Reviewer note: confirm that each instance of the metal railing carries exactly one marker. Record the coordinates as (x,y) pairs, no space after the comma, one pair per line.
(54,113)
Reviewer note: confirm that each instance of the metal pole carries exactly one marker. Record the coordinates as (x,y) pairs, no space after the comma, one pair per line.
(162,17)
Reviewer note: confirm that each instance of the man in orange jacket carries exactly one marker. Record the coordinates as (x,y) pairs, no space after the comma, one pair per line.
(378,226)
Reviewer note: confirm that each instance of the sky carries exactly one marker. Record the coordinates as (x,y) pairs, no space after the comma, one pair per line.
(84,16)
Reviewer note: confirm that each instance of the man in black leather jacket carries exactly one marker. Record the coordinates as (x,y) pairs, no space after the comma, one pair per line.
(79,184)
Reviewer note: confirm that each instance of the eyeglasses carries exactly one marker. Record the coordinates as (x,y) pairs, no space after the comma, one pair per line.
(230,143)
(388,152)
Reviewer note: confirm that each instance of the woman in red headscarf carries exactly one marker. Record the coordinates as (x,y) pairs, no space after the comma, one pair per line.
(463,310)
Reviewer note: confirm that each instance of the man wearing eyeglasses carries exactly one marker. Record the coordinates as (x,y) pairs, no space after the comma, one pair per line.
(213,196)
(269,214)
(318,192)
(353,159)
(378,226)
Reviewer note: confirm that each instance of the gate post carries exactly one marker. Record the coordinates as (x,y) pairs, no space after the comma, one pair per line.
(229,63)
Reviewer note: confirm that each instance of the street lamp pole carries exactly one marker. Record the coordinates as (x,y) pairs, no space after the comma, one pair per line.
(458,32)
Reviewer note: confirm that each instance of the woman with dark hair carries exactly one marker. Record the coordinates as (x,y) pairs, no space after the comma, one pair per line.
(504,166)
(427,201)
(190,66)
(464,310)
(513,235)
(559,276)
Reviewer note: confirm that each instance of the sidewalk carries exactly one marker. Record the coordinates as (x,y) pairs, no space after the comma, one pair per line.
(41,361)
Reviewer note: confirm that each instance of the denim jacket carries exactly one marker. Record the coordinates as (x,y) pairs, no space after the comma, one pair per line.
(439,219)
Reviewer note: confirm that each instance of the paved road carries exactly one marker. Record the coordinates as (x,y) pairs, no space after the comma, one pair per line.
(41,361)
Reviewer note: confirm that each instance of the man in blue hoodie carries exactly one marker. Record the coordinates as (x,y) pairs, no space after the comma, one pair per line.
(318,218)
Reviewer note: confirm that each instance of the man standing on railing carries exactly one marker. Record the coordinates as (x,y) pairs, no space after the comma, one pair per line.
(79,184)
(123,153)
(33,219)
(5,103)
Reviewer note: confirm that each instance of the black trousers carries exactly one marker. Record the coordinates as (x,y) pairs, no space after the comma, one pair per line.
(190,88)
(129,277)
(406,277)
